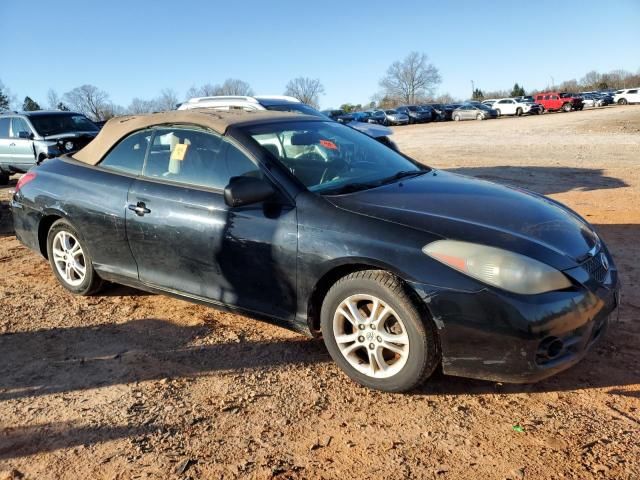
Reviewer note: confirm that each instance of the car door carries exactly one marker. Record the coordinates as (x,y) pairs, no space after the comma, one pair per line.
(633,96)
(5,123)
(21,144)
(186,239)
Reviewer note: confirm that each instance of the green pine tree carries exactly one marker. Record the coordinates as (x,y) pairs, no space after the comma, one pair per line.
(517,91)
(477,95)
(30,105)
(4,101)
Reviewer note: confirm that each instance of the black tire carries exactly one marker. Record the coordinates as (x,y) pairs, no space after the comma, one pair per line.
(622,101)
(541,111)
(566,107)
(4,178)
(423,354)
(518,112)
(498,112)
(91,283)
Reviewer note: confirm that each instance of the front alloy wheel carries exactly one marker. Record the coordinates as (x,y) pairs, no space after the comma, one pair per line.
(371,336)
(375,331)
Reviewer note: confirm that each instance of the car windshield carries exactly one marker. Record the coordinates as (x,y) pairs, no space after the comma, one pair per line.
(56,124)
(412,108)
(565,95)
(296,107)
(329,158)
(390,112)
(481,106)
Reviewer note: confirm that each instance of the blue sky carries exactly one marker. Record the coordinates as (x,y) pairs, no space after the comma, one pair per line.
(136,48)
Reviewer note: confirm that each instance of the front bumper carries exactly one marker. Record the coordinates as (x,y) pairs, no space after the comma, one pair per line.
(498,336)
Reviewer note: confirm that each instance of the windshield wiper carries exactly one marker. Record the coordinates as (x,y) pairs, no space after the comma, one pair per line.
(354,187)
(402,174)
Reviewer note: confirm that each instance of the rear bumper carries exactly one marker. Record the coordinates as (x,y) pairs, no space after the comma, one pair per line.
(493,335)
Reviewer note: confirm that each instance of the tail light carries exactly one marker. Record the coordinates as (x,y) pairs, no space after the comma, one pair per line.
(26,178)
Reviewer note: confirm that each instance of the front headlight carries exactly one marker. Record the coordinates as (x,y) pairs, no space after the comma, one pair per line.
(507,270)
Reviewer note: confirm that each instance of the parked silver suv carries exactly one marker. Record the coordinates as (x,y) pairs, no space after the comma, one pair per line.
(27,138)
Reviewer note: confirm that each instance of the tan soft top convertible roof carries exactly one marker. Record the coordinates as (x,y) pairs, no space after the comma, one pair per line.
(120,127)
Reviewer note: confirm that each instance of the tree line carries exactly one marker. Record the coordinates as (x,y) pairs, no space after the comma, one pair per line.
(412,80)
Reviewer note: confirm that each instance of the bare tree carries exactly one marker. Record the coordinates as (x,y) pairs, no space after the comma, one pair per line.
(307,90)
(411,79)
(231,86)
(138,106)
(234,86)
(110,110)
(167,100)
(90,100)
(444,98)
(53,99)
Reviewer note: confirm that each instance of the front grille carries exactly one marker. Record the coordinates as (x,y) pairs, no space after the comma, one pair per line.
(596,269)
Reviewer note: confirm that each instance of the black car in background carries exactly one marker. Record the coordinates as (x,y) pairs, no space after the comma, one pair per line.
(443,111)
(28,138)
(314,225)
(415,113)
(377,116)
(338,115)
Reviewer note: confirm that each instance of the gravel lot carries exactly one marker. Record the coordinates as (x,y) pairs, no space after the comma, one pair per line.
(131,385)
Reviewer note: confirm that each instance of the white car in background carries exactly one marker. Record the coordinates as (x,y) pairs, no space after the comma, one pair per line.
(628,95)
(489,102)
(513,106)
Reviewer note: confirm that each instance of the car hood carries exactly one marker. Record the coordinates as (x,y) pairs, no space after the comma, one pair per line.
(60,136)
(371,129)
(464,208)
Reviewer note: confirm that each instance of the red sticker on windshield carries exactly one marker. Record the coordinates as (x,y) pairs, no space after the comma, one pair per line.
(328,144)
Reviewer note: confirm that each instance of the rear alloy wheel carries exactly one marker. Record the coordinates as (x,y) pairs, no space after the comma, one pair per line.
(456,118)
(518,112)
(566,107)
(498,112)
(70,261)
(479,117)
(541,111)
(622,101)
(376,334)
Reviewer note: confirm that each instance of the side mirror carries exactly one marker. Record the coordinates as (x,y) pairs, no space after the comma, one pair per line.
(25,135)
(247,190)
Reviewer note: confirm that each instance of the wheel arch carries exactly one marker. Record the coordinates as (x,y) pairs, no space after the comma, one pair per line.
(44,225)
(335,272)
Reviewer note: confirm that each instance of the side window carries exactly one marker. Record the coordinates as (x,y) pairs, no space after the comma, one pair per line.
(128,155)
(196,157)
(547,97)
(4,127)
(633,91)
(554,97)
(18,125)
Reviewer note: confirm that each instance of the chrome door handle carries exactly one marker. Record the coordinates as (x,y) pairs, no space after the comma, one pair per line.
(140,209)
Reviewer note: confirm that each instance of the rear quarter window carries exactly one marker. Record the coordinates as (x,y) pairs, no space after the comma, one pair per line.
(128,155)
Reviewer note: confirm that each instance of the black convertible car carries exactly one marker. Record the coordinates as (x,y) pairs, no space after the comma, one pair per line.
(314,225)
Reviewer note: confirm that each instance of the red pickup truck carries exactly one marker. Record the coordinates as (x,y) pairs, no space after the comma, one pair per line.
(559,101)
